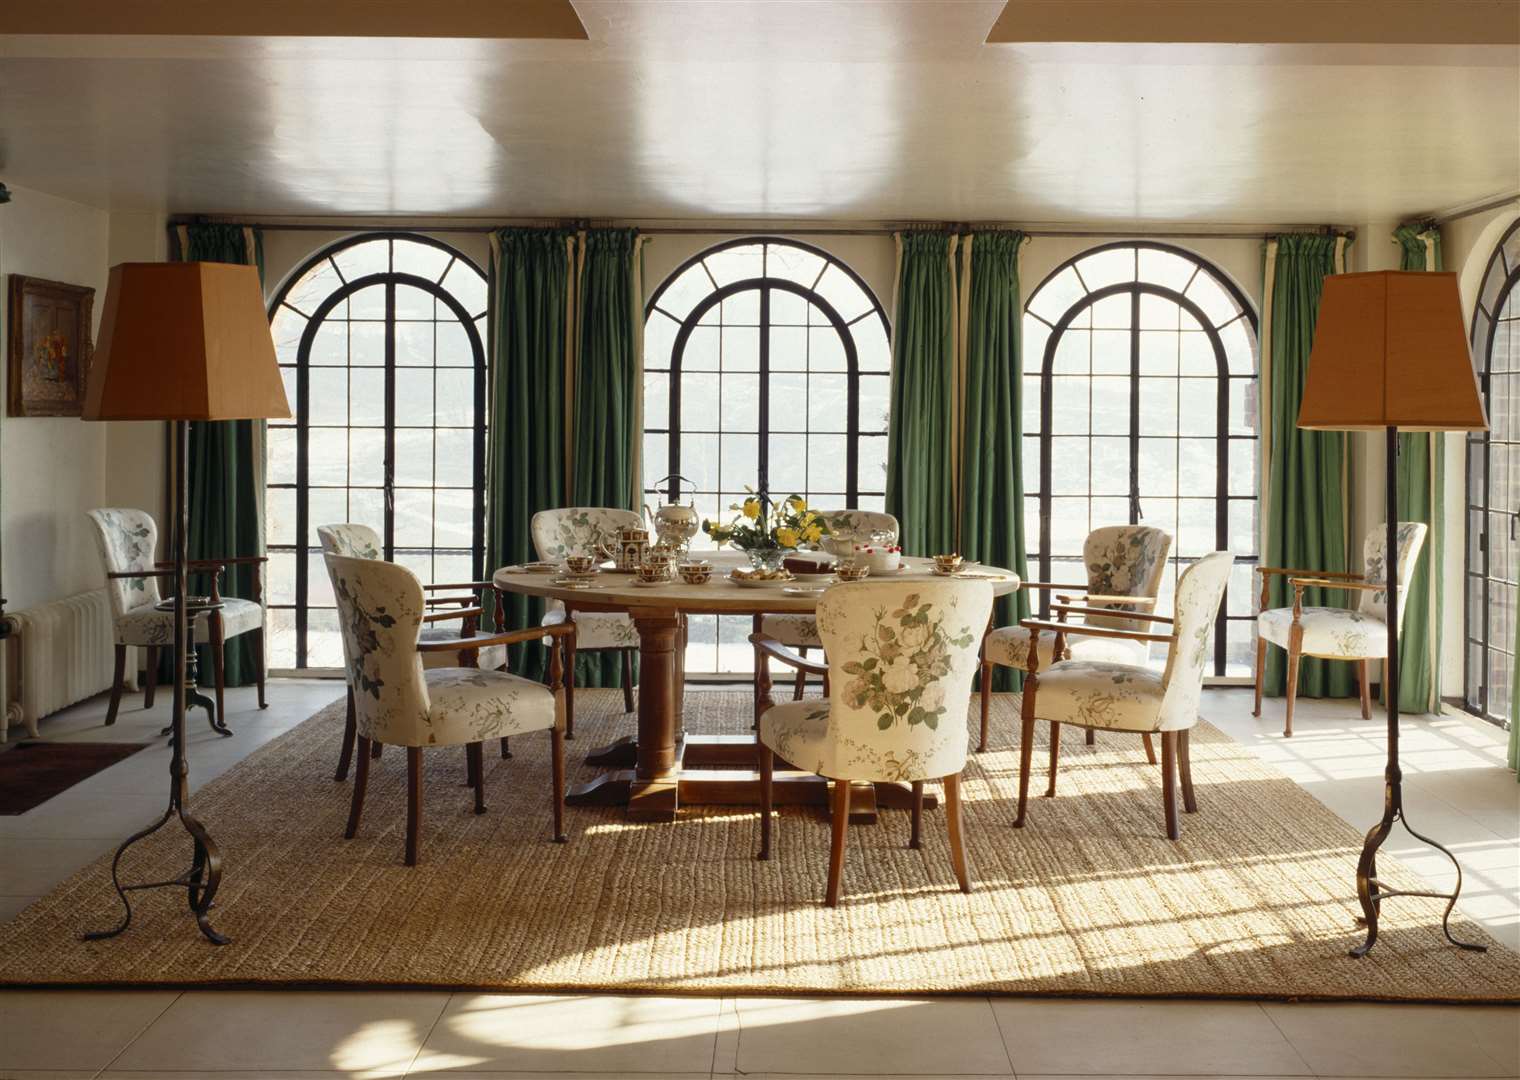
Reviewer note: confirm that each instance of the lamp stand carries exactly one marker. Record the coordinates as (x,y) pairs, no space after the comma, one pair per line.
(204,875)
(1369,889)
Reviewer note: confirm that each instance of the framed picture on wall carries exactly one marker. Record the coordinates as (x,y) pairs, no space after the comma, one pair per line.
(49,347)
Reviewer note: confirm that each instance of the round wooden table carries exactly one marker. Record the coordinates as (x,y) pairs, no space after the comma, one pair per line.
(663,767)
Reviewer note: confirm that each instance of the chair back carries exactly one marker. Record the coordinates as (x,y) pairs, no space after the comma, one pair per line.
(380,615)
(127,540)
(1124,560)
(902,657)
(579,530)
(1200,590)
(351,539)
(862,521)
(1411,537)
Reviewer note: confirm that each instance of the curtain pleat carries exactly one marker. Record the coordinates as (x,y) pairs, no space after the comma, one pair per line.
(226,466)
(992,484)
(920,454)
(525,441)
(1421,491)
(1306,516)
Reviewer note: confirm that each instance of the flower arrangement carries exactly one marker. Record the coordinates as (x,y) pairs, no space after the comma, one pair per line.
(763,527)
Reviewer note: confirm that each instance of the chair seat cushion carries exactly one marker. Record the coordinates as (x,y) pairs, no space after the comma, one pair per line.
(1009,646)
(598,629)
(468,705)
(1332,632)
(798,731)
(491,657)
(147,625)
(1099,694)
(797,631)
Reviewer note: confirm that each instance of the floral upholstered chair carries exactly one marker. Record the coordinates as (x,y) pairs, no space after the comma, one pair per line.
(900,659)
(581,530)
(401,703)
(1359,634)
(800,632)
(1125,564)
(362,542)
(127,539)
(1090,693)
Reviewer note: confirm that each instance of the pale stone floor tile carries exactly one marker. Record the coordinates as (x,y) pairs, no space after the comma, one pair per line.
(1402,1040)
(1081,1037)
(573,1033)
(33,865)
(11,906)
(80,1029)
(377,1034)
(919,1036)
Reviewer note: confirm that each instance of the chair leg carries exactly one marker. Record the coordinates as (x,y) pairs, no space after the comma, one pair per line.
(627,679)
(953,823)
(1295,643)
(840,822)
(1090,737)
(981,743)
(557,779)
(569,687)
(1150,748)
(767,792)
(258,666)
(799,686)
(1185,772)
(1169,783)
(917,818)
(413,801)
(116,681)
(506,749)
(346,753)
(1055,758)
(476,754)
(150,675)
(1261,666)
(219,668)
(376,749)
(1026,761)
(361,781)
(1364,682)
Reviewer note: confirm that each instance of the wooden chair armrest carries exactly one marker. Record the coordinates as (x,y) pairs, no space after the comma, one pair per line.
(1300,583)
(483,641)
(1082,588)
(773,648)
(441,601)
(115,574)
(1076,609)
(460,585)
(1104,598)
(1091,631)
(450,616)
(1308,573)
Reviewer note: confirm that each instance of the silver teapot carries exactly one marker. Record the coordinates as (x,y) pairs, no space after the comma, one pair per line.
(675,523)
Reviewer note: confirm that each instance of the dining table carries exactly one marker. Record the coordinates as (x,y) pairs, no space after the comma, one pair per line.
(664,767)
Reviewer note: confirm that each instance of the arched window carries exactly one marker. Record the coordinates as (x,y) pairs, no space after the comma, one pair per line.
(1493,488)
(766,364)
(379,338)
(1140,407)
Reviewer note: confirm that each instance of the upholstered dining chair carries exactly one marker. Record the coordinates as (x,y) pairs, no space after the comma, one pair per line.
(401,703)
(127,539)
(901,657)
(800,632)
(1357,634)
(1092,693)
(362,542)
(1125,564)
(581,530)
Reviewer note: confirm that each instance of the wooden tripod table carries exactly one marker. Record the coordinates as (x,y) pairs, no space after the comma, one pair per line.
(663,767)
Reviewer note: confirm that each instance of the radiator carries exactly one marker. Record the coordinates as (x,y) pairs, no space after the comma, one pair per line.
(59,653)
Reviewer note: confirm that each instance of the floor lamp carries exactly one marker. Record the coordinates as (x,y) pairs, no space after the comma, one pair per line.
(1390,354)
(182,342)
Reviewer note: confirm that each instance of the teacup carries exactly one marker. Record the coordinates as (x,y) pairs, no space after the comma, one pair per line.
(948,564)
(652,573)
(696,573)
(580,564)
(849,571)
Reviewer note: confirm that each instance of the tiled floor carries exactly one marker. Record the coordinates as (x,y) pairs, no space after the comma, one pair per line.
(1457,789)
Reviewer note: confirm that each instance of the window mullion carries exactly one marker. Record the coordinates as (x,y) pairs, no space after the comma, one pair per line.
(763,451)
(1134,407)
(388,478)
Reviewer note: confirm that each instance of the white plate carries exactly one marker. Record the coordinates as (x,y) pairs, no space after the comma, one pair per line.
(751,583)
(804,590)
(571,582)
(540,568)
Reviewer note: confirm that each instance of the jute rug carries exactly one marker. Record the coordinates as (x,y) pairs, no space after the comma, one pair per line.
(1256,900)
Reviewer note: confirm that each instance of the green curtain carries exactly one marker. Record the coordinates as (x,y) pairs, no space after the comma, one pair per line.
(1421,490)
(920,481)
(226,465)
(609,312)
(992,482)
(1306,512)
(525,442)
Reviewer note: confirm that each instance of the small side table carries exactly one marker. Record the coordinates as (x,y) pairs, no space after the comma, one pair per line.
(194,607)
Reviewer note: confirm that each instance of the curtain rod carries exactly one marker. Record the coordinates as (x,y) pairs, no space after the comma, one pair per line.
(1469,211)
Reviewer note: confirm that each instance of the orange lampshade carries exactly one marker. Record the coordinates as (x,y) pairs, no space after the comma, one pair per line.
(184,341)
(1390,350)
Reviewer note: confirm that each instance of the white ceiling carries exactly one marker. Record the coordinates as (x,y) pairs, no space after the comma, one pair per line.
(706,108)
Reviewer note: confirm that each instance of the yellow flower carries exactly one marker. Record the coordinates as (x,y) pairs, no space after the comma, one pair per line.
(797,503)
(812,534)
(752,508)
(786,537)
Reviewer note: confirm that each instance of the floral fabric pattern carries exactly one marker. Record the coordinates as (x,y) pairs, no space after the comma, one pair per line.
(798,631)
(351,539)
(1411,537)
(127,540)
(579,530)
(597,629)
(1009,646)
(801,631)
(148,626)
(1124,560)
(1336,633)
(901,665)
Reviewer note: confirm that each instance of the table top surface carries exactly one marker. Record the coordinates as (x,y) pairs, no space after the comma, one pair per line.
(613,591)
